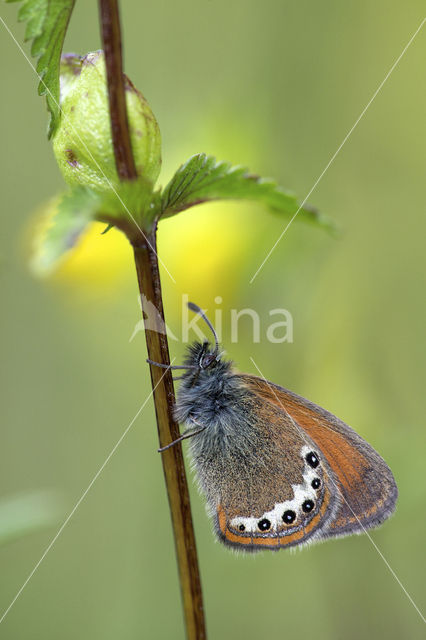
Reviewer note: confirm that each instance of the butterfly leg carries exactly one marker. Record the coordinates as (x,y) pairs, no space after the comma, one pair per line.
(186,434)
(169,366)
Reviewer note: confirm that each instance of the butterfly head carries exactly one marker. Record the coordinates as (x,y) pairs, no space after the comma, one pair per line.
(204,359)
(207,375)
(202,356)
(208,359)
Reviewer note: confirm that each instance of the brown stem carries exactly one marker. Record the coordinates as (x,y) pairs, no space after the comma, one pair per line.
(111,39)
(146,261)
(168,430)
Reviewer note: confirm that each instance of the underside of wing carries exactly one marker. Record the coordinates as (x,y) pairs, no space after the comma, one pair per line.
(296,521)
(363,480)
(276,494)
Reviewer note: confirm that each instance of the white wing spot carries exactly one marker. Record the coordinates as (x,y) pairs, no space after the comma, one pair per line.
(301,492)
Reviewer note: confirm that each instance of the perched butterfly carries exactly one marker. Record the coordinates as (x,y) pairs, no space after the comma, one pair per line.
(276,469)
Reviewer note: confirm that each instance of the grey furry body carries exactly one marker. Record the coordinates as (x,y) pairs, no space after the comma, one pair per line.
(217,400)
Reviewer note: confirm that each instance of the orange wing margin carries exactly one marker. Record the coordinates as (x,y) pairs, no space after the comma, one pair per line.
(275,542)
(366,483)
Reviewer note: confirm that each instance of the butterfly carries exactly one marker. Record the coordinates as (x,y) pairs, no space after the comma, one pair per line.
(276,469)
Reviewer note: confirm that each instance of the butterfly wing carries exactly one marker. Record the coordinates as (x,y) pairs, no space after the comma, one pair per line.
(367,488)
(260,487)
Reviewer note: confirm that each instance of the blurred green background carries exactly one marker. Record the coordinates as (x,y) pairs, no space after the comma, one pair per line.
(275,85)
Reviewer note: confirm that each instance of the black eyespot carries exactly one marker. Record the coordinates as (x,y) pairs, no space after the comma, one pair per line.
(242,527)
(312,459)
(264,524)
(289,516)
(308,505)
(316,483)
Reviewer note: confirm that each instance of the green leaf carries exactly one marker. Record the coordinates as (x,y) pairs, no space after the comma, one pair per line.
(107,228)
(72,213)
(66,217)
(28,513)
(47,22)
(130,202)
(202,178)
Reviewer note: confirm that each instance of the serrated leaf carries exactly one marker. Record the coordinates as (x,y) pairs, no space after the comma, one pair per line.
(47,22)
(202,178)
(71,215)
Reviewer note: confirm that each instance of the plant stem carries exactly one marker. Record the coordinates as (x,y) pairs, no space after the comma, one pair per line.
(146,261)
(168,430)
(111,39)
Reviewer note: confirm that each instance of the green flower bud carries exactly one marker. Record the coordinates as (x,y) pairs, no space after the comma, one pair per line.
(83,144)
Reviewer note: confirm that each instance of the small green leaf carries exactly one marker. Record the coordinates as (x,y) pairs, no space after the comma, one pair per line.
(202,178)
(47,22)
(74,211)
(28,513)
(130,202)
(66,217)
(107,228)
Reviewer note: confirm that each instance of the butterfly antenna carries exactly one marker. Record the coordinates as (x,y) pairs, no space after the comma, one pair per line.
(197,309)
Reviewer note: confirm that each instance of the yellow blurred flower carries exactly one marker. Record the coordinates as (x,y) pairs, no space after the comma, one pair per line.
(202,249)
